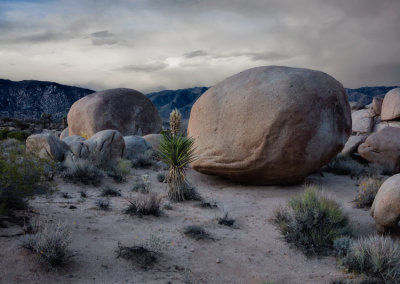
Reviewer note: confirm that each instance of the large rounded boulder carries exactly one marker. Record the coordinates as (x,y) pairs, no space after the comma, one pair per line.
(386,207)
(391,105)
(270,125)
(126,110)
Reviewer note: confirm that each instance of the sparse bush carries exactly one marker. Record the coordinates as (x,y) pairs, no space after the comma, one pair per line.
(145,204)
(208,204)
(146,160)
(312,222)
(103,204)
(168,206)
(367,190)
(50,243)
(375,256)
(83,194)
(144,254)
(342,246)
(21,175)
(196,232)
(143,186)
(161,177)
(19,135)
(226,220)
(83,171)
(109,191)
(120,171)
(65,195)
(344,165)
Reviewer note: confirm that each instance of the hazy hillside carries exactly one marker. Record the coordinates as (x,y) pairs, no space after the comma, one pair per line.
(29,99)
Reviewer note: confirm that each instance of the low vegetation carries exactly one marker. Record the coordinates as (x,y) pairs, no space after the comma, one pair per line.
(367,190)
(82,171)
(196,232)
(226,220)
(143,185)
(49,242)
(103,204)
(120,171)
(109,191)
(145,204)
(144,254)
(21,176)
(311,222)
(375,256)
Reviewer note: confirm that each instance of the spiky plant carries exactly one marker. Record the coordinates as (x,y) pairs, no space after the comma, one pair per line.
(175,122)
(177,152)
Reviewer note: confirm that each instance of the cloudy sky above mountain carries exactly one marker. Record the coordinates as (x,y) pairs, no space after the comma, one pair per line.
(151,45)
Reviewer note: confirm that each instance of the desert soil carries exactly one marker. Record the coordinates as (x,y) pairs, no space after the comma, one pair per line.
(251,252)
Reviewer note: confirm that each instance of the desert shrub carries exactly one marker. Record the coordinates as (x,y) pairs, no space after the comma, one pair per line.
(145,204)
(19,135)
(146,160)
(344,165)
(21,176)
(3,133)
(208,204)
(109,191)
(311,222)
(342,245)
(196,232)
(82,171)
(120,171)
(375,256)
(65,195)
(226,220)
(367,190)
(143,254)
(143,186)
(168,206)
(103,204)
(50,243)
(161,177)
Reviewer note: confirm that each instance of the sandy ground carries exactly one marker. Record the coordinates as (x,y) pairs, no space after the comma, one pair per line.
(253,252)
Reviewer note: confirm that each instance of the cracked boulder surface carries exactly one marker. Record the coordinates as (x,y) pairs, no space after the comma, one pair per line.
(383,148)
(47,145)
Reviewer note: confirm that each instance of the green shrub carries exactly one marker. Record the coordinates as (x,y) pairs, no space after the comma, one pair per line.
(342,245)
(311,222)
(21,175)
(50,243)
(120,171)
(82,171)
(367,190)
(143,186)
(19,135)
(375,256)
(3,133)
(146,160)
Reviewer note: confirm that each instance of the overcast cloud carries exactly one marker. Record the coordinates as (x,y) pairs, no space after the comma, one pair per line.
(150,45)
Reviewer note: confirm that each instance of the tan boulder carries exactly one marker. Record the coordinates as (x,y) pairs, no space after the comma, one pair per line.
(352,144)
(383,148)
(153,139)
(362,120)
(64,134)
(391,105)
(126,110)
(386,207)
(47,145)
(377,105)
(270,125)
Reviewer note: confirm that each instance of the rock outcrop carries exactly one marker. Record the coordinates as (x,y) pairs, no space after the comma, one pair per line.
(135,146)
(386,207)
(47,145)
(270,125)
(391,105)
(383,148)
(153,139)
(126,110)
(106,146)
(362,120)
(352,144)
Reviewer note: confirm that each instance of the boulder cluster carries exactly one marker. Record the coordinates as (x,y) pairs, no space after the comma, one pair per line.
(376,131)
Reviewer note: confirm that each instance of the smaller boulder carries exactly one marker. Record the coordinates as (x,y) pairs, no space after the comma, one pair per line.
(47,145)
(391,105)
(352,144)
(377,105)
(386,207)
(362,120)
(106,146)
(77,146)
(154,140)
(383,148)
(135,146)
(64,134)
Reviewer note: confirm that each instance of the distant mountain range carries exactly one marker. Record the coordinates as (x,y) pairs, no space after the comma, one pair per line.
(29,99)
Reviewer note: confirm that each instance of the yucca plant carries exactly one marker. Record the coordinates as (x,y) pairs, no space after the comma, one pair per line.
(175,122)
(178,152)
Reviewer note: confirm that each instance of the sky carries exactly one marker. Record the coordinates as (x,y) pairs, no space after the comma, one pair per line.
(151,45)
